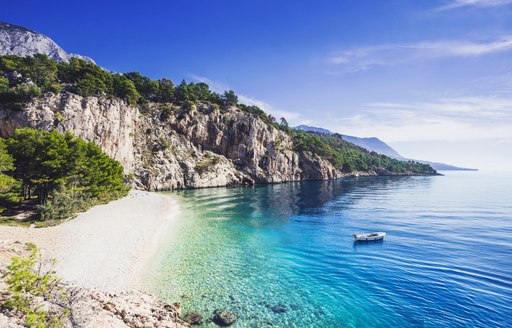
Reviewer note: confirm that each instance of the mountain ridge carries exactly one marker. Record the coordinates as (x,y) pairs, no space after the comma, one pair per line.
(21,41)
(167,136)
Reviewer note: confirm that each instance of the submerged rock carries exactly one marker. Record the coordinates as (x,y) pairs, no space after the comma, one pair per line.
(193,318)
(279,308)
(223,318)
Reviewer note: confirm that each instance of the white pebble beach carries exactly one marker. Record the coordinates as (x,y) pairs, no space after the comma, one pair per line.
(108,247)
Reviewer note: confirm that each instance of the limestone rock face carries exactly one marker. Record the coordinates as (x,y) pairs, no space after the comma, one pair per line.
(108,123)
(164,147)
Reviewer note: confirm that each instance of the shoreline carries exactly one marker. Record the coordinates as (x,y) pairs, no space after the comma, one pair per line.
(110,247)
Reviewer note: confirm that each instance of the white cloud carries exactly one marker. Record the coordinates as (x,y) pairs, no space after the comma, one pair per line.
(451,119)
(292,117)
(364,58)
(215,86)
(475,3)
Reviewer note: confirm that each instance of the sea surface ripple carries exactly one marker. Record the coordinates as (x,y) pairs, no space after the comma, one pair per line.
(283,255)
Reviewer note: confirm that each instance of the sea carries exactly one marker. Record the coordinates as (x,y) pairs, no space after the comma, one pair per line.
(283,255)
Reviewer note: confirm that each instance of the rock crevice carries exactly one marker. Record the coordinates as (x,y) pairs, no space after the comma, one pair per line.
(203,147)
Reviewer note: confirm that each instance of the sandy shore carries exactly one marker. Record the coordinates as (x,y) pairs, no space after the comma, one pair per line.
(110,246)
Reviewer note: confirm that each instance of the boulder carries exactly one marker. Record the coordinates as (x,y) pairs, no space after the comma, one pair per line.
(223,318)
(193,318)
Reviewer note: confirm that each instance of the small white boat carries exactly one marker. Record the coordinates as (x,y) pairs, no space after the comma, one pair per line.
(369,236)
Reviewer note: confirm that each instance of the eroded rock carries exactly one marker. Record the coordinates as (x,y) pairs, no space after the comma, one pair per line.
(223,318)
(206,147)
(193,318)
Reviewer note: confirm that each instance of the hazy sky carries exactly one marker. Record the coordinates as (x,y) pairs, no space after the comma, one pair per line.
(431,78)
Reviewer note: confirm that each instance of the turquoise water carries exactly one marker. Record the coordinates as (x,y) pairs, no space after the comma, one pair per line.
(283,255)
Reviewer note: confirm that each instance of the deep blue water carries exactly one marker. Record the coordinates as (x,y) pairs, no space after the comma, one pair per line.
(283,255)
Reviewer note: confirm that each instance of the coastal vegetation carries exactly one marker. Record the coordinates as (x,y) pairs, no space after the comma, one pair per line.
(348,157)
(34,291)
(26,77)
(23,78)
(55,175)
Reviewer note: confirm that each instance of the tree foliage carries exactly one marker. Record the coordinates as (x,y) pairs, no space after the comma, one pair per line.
(23,78)
(39,74)
(229,98)
(49,163)
(6,164)
(349,158)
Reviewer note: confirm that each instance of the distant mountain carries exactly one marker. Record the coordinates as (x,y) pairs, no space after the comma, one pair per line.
(313,129)
(379,146)
(445,167)
(374,144)
(20,41)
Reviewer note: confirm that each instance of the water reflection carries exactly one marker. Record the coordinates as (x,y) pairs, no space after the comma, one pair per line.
(445,261)
(361,244)
(281,201)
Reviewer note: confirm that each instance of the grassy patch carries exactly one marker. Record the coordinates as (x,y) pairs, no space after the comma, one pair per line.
(207,162)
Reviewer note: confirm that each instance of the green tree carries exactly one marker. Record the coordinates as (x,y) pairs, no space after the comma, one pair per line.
(89,85)
(165,91)
(284,122)
(125,88)
(9,63)
(146,87)
(230,98)
(45,161)
(6,164)
(42,159)
(4,84)
(41,70)
(102,177)
(182,93)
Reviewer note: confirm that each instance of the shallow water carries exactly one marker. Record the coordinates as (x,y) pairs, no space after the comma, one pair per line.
(283,255)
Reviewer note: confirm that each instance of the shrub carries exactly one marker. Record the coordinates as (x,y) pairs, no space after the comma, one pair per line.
(64,203)
(163,144)
(189,106)
(29,279)
(20,93)
(207,162)
(165,113)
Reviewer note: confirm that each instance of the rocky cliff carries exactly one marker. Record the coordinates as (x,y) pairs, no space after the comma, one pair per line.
(167,147)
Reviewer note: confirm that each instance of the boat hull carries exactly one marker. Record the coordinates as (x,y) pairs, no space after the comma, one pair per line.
(370,237)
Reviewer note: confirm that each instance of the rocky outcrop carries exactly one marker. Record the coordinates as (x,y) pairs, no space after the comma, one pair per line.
(166,147)
(22,42)
(193,318)
(223,318)
(90,308)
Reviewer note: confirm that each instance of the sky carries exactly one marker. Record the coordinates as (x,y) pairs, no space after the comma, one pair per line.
(432,78)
